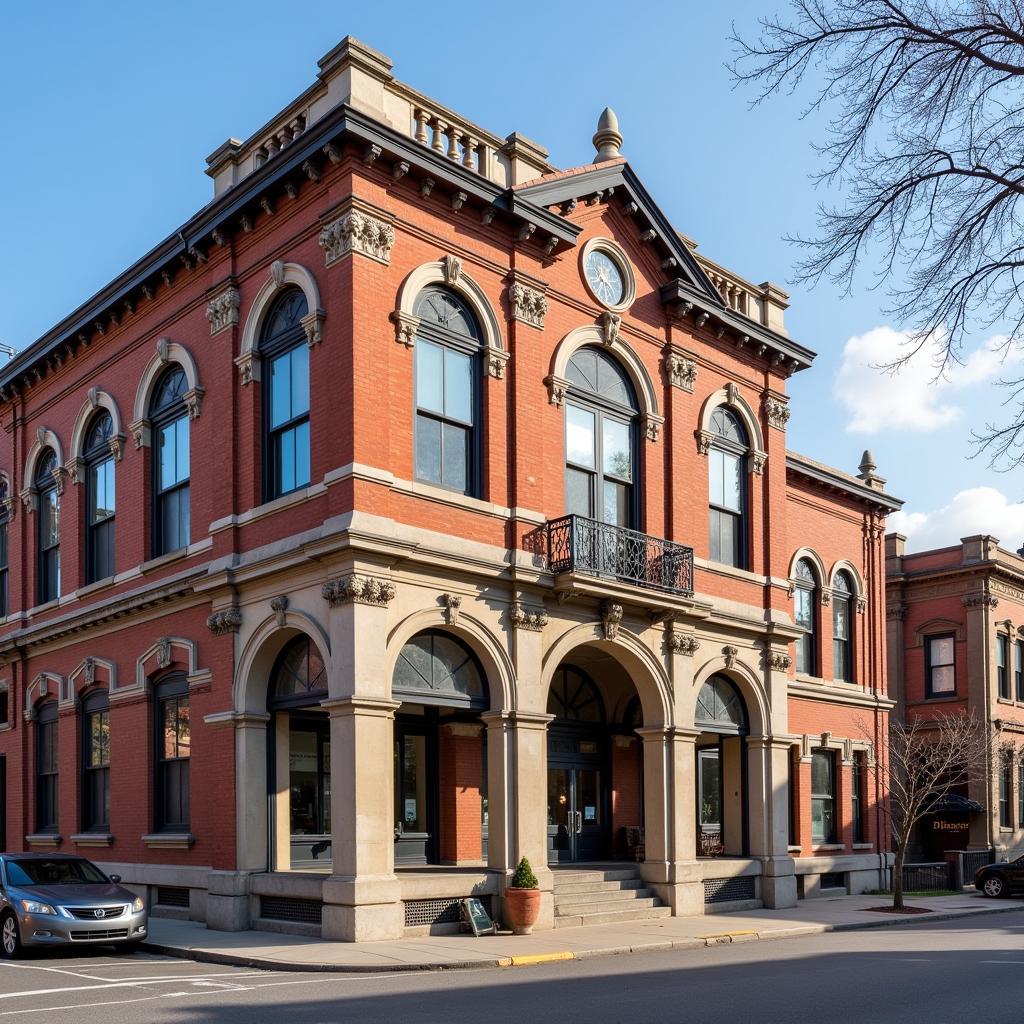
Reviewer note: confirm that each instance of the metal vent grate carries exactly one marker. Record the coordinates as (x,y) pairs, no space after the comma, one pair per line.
(439,911)
(172,896)
(724,890)
(281,908)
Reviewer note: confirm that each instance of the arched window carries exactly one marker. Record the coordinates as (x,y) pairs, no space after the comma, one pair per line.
(437,668)
(46,767)
(48,526)
(447,402)
(299,678)
(805,616)
(171,468)
(600,440)
(96,762)
(842,628)
(4,521)
(574,697)
(99,504)
(720,707)
(727,489)
(173,755)
(285,395)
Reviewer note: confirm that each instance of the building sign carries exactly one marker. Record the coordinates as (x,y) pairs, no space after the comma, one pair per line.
(948,826)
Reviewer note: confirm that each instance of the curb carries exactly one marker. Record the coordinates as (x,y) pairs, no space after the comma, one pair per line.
(536,959)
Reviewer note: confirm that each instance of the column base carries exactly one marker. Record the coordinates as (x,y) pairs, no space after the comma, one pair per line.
(778,892)
(362,909)
(228,904)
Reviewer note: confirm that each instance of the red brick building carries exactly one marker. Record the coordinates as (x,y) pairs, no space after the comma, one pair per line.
(956,645)
(420,503)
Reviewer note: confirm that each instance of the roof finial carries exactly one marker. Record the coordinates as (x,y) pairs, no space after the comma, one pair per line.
(867,463)
(607,138)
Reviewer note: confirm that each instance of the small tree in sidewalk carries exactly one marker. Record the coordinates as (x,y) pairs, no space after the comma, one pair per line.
(926,760)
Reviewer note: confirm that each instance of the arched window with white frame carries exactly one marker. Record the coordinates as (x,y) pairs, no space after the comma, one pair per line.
(727,489)
(805,616)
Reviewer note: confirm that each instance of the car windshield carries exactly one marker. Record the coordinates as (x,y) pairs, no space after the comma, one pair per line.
(54,872)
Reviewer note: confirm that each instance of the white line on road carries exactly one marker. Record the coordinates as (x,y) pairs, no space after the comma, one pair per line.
(134,983)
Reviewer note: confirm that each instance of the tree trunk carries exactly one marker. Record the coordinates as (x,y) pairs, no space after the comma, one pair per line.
(897,877)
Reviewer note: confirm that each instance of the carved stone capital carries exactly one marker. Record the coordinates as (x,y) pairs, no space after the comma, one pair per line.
(681,643)
(704,439)
(279,606)
(452,268)
(248,364)
(28,498)
(528,305)
(116,443)
(223,310)
(558,388)
(610,324)
(406,326)
(730,654)
(139,430)
(777,661)
(194,401)
(313,325)
(825,597)
(652,425)
(228,620)
(758,461)
(10,505)
(680,371)
(452,604)
(496,360)
(862,605)
(520,617)
(359,589)
(357,231)
(897,612)
(611,619)
(980,600)
(776,411)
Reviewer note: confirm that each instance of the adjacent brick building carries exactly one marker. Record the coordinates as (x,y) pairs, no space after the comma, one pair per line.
(418,502)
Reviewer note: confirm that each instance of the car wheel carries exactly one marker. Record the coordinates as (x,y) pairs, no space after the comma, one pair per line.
(994,886)
(10,939)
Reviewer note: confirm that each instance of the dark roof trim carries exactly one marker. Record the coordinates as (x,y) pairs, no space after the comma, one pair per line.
(834,478)
(341,124)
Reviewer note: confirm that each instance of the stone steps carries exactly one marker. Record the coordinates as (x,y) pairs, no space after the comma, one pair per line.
(605,895)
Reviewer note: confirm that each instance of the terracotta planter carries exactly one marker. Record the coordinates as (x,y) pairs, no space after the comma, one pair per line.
(522,908)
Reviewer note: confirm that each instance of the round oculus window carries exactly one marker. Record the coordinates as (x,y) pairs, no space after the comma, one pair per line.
(604,277)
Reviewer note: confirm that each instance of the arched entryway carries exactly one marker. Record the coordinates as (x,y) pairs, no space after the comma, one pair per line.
(721,770)
(595,761)
(440,766)
(300,757)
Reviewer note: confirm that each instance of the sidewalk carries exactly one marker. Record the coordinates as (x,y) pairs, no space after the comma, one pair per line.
(295,953)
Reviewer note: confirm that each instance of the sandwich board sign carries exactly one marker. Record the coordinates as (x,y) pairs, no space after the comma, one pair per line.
(476,917)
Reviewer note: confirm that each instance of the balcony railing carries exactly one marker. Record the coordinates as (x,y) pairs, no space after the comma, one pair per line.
(578,544)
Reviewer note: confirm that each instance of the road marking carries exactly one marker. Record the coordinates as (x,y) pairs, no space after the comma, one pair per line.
(1012,962)
(133,983)
(540,958)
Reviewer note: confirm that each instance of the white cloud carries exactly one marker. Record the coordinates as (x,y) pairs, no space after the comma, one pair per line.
(910,398)
(973,511)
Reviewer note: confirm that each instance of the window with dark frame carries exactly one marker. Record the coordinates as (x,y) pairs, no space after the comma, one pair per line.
(173,750)
(1005,785)
(5,708)
(1020,790)
(100,500)
(285,352)
(600,440)
(95,763)
(858,792)
(794,806)
(48,527)
(46,767)
(823,796)
(4,521)
(1018,669)
(805,616)
(1003,665)
(940,666)
(171,458)
(447,393)
(842,628)
(727,489)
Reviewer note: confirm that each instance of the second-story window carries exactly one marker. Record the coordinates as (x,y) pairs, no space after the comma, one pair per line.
(600,440)
(173,755)
(285,396)
(48,527)
(842,628)
(99,508)
(1003,665)
(805,616)
(940,666)
(727,487)
(4,521)
(447,402)
(1018,667)
(171,469)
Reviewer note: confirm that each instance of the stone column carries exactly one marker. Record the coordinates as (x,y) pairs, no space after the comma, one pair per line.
(768,802)
(362,898)
(517,795)
(979,611)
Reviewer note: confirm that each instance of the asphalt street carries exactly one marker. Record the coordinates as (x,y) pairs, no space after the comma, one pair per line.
(952,971)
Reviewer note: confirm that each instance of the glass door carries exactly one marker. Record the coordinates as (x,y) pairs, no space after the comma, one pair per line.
(575,815)
(414,797)
(309,790)
(709,802)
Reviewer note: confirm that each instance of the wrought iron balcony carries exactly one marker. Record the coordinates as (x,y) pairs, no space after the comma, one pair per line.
(578,544)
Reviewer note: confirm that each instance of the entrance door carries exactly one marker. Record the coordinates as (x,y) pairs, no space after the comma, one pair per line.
(415,785)
(309,786)
(576,830)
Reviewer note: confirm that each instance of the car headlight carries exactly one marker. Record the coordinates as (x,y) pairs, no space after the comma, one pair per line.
(33,907)
(138,905)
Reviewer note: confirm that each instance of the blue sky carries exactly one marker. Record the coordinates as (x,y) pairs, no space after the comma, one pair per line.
(109,114)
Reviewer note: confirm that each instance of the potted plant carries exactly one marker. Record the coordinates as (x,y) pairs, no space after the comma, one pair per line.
(522,899)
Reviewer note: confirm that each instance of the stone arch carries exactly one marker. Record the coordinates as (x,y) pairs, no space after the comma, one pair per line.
(745,679)
(45,438)
(97,400)
(633,365)
(814,558)
(42,687)
(448,273)
(256,661)
(93,673)
(641,664)
(167,354)
(281,276)
(846,565)
(730,397)
(497,666)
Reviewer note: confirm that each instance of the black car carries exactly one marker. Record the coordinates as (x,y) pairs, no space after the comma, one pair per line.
(1000,879)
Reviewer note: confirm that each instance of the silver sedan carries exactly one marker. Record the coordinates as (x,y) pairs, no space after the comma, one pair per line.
(54,899)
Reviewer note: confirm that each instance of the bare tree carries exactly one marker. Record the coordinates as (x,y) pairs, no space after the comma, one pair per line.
(927,759)
(926,145)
